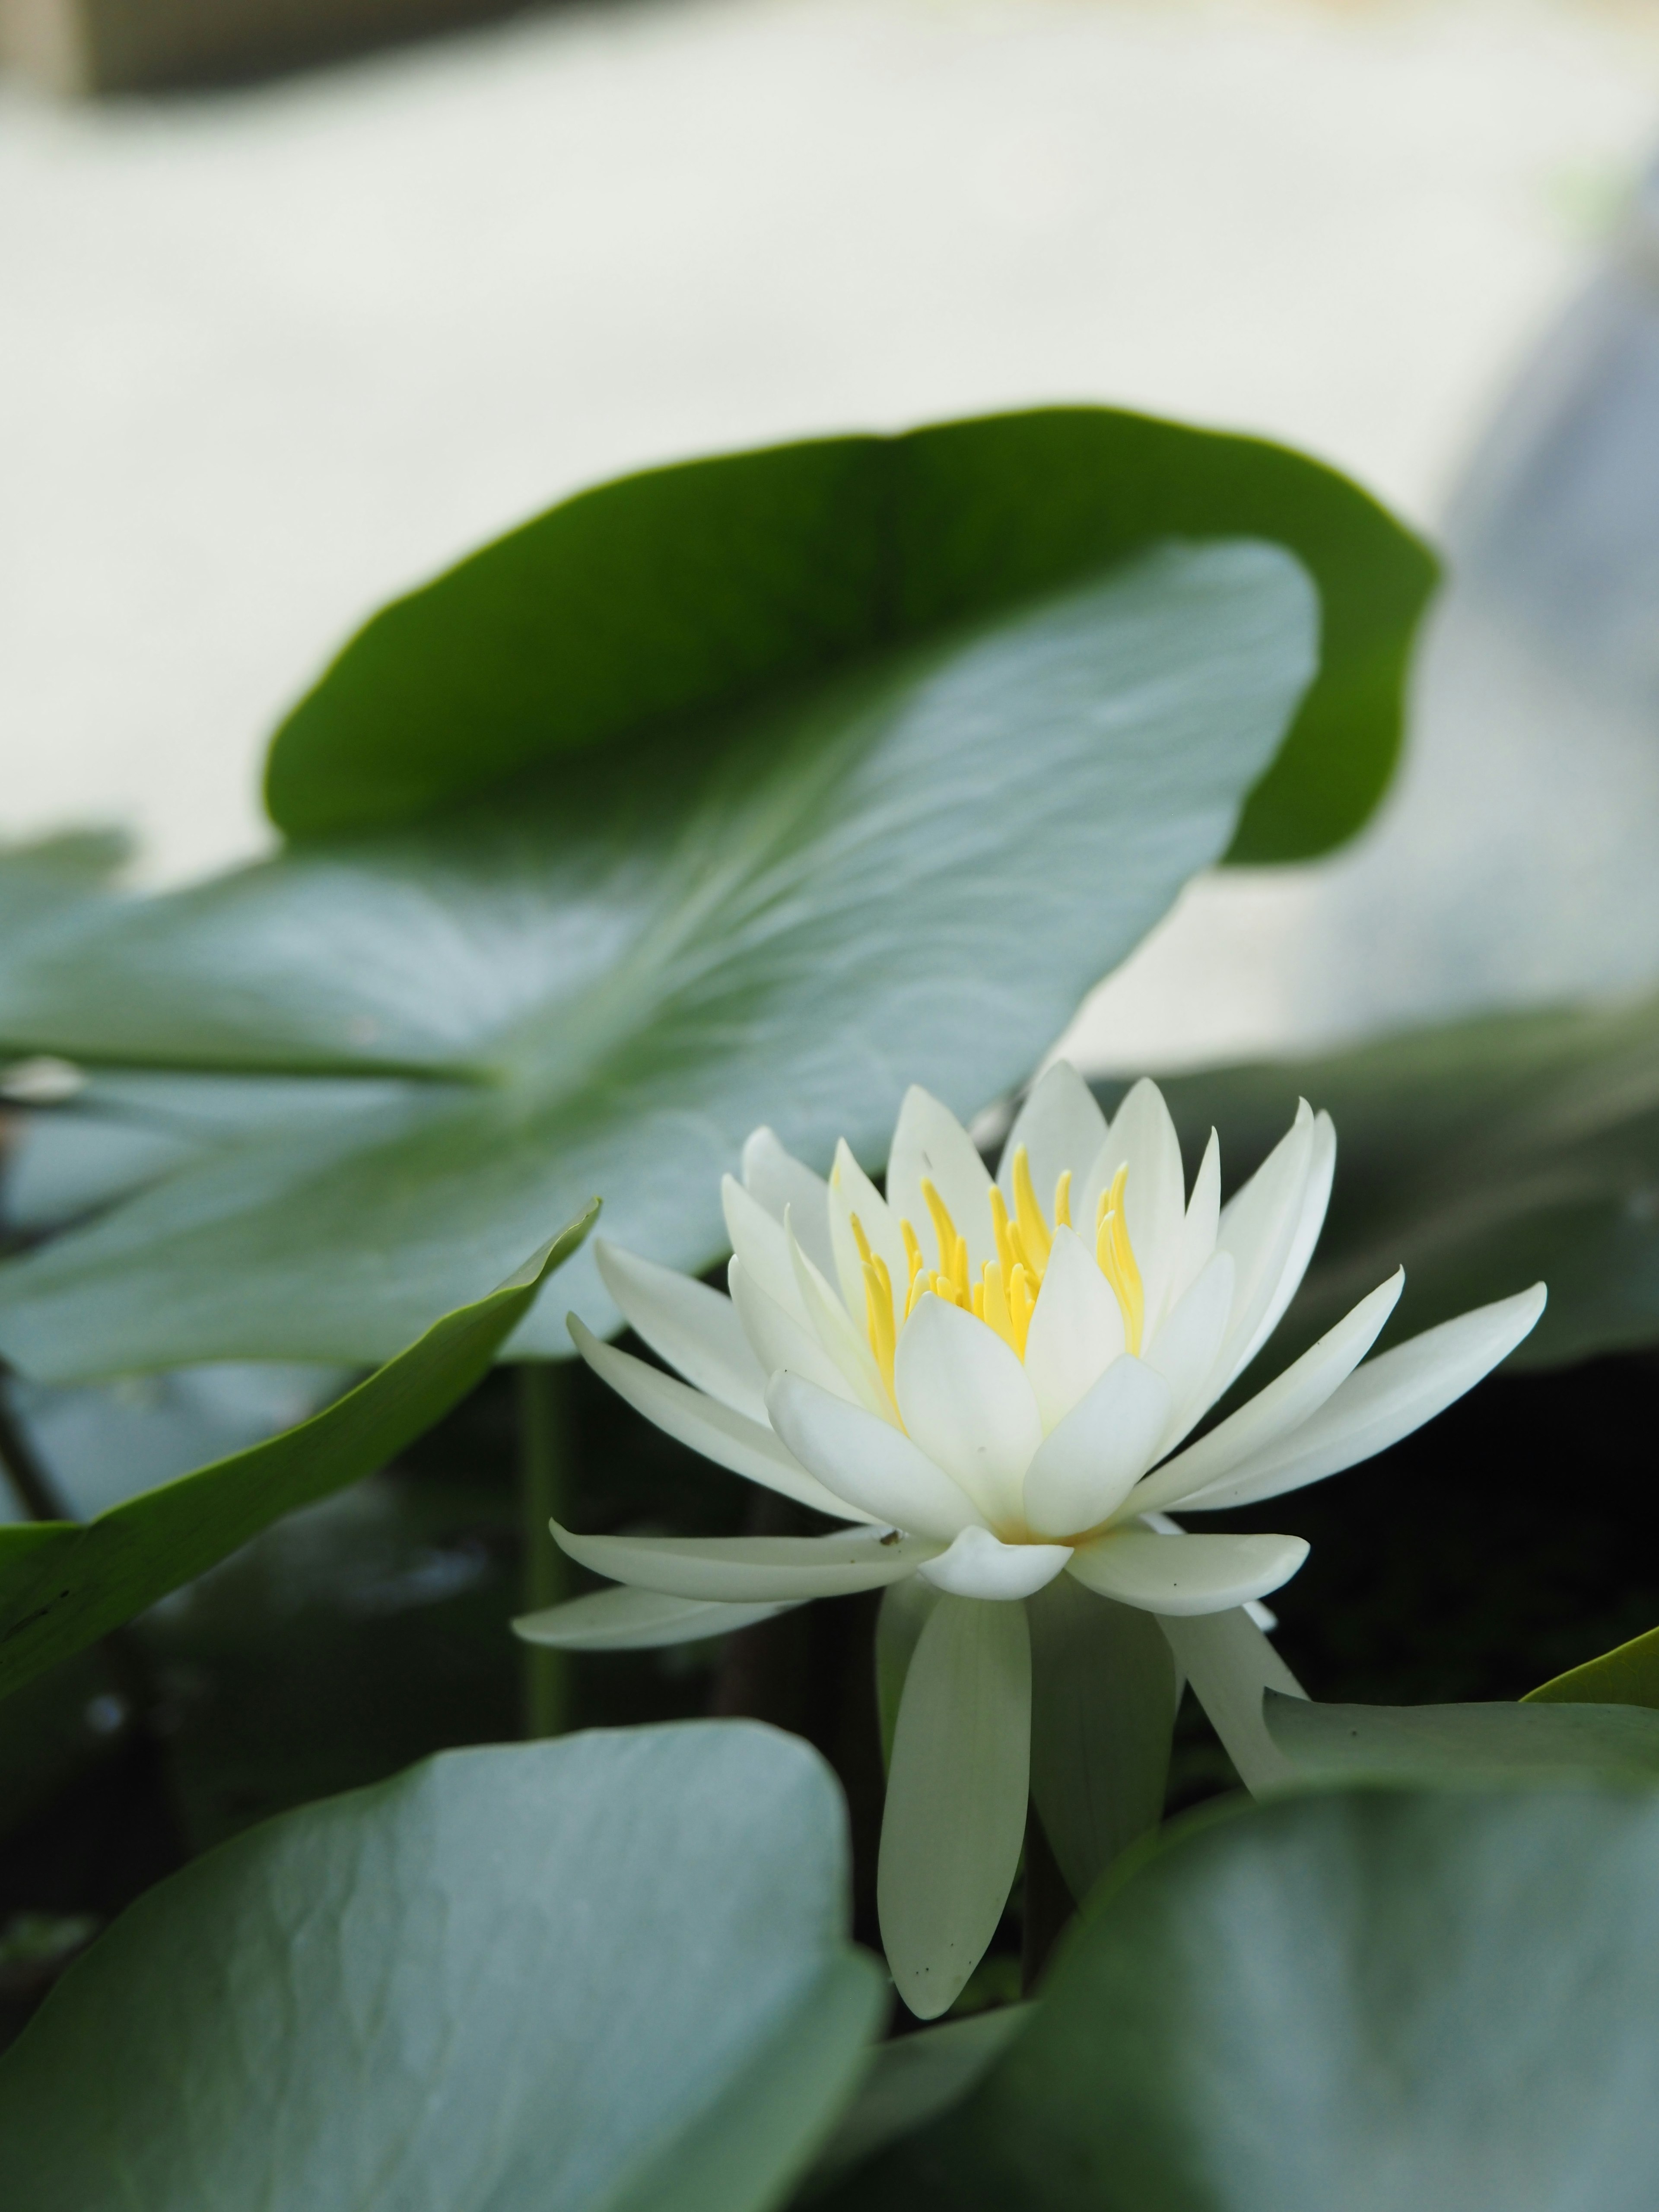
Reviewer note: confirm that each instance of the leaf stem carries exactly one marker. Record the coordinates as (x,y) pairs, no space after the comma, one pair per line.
(544,1489)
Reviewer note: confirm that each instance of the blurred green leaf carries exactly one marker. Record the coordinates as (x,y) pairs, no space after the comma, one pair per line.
(1379,2000)
(608,1971)
(1628,1675)
(698,589)
(64,1584)
(1463,1743)
(1486,1156)
(910,870)
(912,2080)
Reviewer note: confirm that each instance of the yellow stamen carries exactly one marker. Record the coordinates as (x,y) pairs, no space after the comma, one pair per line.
(944,1230)
(1063,1200)
(991,1304)
(861,1240)
(1000,1231)
(912,1251)
(879,1313)
(1033,1228)
(1022,1302)
(1116,1258)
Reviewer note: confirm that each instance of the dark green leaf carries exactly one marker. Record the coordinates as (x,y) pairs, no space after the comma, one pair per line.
(1103,1696)
(912,2080)
(604,1972)
(1377,2001)
(697,590)
(1486,1156)
(910,874)
(1628,1675)
(62,1585)
(1463,1743)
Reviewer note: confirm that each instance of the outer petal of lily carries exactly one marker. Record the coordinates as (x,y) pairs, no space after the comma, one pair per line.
(1383,1401)
(1179,1575)
(748,1447)
(1258,1226)
(955,1819)
(779,1340)
(1288,1401)
(1230,1662)
(1186,1345)
(836,1330)
(1085,1469)
(754,1570)
(780,1181)
(1061,1126)
(930,1142)
(977,1565)
(1076,1332)
(1143,1139)
(691,1326)
(873,1465)
(1201,1222)
(636,1620)
(966,1402)
(1315,1198)
(761,1244)
(852,1192)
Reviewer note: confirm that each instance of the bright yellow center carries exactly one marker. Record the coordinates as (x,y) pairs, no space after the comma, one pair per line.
(1005,1296)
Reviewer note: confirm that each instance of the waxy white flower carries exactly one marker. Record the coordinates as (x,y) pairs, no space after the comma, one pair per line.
(996,1381)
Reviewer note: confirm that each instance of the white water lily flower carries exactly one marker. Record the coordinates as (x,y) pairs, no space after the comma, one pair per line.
(996,1381)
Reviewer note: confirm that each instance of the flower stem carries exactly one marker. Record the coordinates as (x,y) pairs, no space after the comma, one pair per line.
(543,1486)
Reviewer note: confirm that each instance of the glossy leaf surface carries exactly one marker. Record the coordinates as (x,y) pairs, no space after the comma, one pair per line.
(608,1971)
(1627,1675)
(1463,1743)
(64,1584)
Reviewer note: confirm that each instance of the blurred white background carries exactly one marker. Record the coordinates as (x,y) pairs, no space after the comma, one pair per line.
(268,356)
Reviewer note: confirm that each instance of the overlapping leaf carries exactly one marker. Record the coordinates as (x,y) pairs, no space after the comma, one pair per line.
(1490,1742)
(605,1973)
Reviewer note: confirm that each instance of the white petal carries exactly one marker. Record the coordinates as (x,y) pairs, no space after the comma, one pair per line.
(1076,1332)
(842,1338)
(780,1181)
(874,1465)
(977,1565)
(1229,1662)
(1316,1199)
(1186,1344)
(966,1402)
(779,1340)
(749,1569)
(955,1819)
(1288,1401)
(1259,1225)
(1383,1401)
(1143,1137)
(636,1620)
(748,1447)
(1061,1126)
(759,1242)
(1201,1222)
(1085,1469)
(930,1142)
(684,1322)
(1179,1575)
(852,1192)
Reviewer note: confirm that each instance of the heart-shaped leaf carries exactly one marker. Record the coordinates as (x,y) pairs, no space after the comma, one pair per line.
(604,1972)
(62,1584)
(1460,1743)
(1381,2000)
(910,871)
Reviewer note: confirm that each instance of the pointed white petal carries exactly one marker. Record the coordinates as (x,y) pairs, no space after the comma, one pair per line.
(779,1341)
(1383,1401)
(1077,1330)
(730,1439)
(752,1570)
(930,1142)
(843,1338)
(778,1180)
(1085,1469)
(977,1565)
(1061,1126)
(875,1467)
(1258,1226)
(636,1620)
(1188,1342)
(852,1192)
(1179,1575)
(1288,1400)
(1229,1662)
(684,1322)
(760,1244)
(1201,1222)
(1315,1198)
(966,1402)
(955,1820)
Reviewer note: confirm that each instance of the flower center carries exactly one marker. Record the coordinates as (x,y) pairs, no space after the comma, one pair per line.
(1005,1297)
